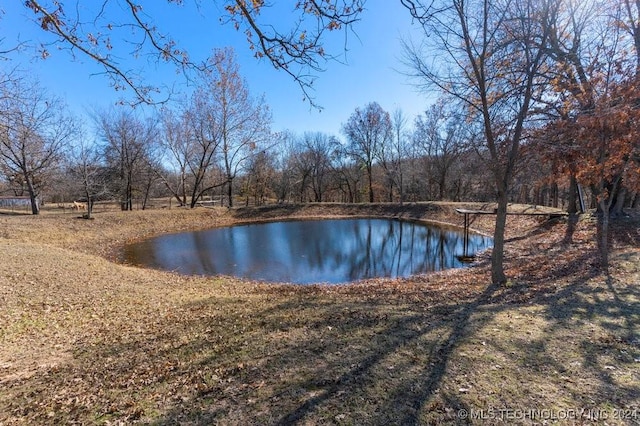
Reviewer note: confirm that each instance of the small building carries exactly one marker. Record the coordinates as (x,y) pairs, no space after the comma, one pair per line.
(14,201)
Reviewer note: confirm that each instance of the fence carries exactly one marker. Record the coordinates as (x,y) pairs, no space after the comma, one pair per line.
(14,202)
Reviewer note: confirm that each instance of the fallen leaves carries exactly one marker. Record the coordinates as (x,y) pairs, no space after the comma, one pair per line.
(88,341)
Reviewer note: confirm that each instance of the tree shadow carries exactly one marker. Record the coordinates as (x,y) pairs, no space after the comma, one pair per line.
(415,211)
(15,213)
(348,349)
(453,326)
(321,355)
(625,230)
(572,221)
(267,211)
(541,229)
(608,312)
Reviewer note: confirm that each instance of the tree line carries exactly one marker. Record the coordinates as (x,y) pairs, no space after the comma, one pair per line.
(217,144)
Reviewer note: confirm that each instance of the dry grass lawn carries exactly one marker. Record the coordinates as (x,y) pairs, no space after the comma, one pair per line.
(85,339)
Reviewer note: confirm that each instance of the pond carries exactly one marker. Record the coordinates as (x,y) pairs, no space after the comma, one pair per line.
(310,251)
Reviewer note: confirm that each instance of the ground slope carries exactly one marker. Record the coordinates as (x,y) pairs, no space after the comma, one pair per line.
(84,339)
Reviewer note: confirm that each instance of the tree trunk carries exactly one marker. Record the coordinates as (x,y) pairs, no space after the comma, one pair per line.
(349,192)
(194,200)
(620,198)
(145,199)
(35,208)
(572,207)
(182,199)
(603,234)
(370,176)
(230,191)
(554,194)
(497,254)
(126,204)
(129,196)
(183,182)
(523,194)
(303,187)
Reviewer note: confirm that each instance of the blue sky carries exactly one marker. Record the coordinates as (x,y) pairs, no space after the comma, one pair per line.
(368,71)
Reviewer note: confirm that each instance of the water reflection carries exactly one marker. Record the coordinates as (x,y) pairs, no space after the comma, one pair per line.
(302,252)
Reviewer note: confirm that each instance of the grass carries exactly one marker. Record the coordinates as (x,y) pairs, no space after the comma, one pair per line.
(85,339)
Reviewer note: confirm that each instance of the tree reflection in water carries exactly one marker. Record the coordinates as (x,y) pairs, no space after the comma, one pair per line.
(310,251)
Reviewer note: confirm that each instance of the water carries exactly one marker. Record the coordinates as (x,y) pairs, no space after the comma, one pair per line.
(310,251)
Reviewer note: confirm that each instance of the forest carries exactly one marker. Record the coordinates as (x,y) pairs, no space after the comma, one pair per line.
(555,120)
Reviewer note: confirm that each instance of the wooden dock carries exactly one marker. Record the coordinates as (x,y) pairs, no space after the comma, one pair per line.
(467,222)
(551,214)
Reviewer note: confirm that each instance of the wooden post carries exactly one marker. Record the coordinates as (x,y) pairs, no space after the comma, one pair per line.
(581,199)
(465,244)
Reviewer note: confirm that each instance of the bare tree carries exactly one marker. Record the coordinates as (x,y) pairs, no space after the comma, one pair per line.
(258,179)
(89,174)
(106,32)
(34,130)
(127,140)
(348,173)
(283,181)
(400,151)
(177,143)
(148,175)
(301,164)
(220,130)
(311,158)
(319,147)
(206,134)
(368,130)
(440,136)
(486,54)
(243,121)
(390,155)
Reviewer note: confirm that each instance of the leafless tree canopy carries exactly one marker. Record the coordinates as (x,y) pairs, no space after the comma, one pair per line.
(34,131)
(367,130)
(487,55)
(111,30)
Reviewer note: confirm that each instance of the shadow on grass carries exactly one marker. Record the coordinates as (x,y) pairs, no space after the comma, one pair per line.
(268,211)
(625,230)
(410,210)
(572,221)
(410,395)
(15,213)
(541,229)
(607,315)
(286,355)
(321,361)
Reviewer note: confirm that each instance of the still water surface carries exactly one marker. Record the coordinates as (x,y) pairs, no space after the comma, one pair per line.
(310,251)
